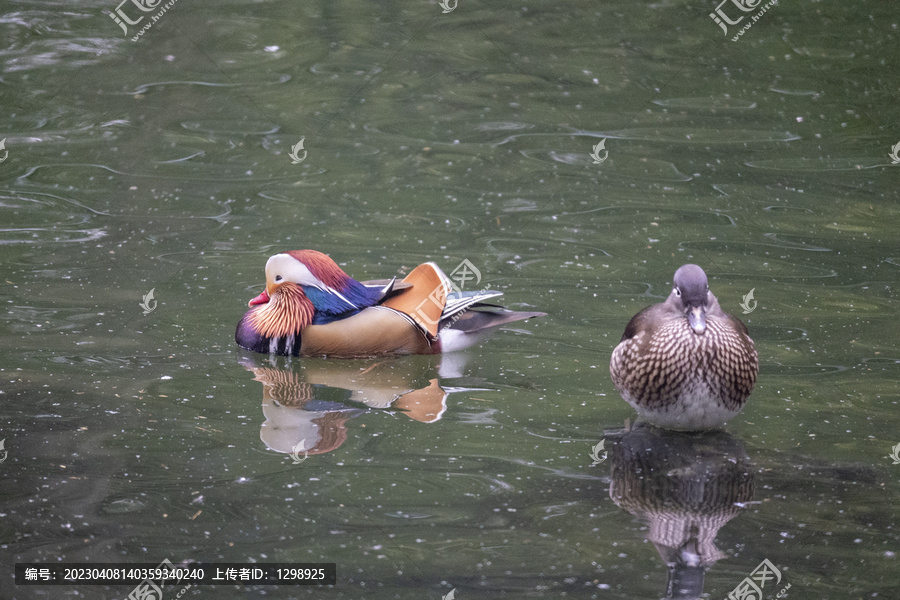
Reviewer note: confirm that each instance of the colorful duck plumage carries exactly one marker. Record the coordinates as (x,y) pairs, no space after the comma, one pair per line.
(311,307)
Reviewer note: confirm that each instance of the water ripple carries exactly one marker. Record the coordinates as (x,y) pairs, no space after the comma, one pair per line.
(705,103)
(783,243)
(49,235)
(739,247)
(182,169)
(72,53)
(677,134)
(786,92)
(622,165)
(820,165)
(146,87)
(700,136)
(802,370)
(232,126)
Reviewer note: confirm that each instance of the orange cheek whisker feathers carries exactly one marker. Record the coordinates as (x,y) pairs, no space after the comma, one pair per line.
(285,314)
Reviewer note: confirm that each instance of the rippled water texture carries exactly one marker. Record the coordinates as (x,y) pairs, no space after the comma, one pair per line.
(165,164)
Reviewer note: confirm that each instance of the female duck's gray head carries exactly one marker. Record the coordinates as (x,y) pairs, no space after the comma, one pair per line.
(691,296)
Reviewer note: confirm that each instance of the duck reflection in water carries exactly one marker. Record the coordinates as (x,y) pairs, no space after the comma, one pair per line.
(685,486)
(307,405)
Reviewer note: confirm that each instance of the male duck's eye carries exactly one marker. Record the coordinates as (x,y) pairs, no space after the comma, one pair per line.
(278,278)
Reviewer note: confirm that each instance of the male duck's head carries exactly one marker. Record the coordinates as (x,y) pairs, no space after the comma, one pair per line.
(305,287)
(306,268)
(691,296)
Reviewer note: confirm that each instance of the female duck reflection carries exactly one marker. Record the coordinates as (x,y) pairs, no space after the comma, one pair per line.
(685,486)
(307,405)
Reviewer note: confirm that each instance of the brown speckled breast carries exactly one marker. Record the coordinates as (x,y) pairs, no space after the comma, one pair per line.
(662,365)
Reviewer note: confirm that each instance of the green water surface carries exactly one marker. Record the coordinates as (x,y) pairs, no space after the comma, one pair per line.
(164,164)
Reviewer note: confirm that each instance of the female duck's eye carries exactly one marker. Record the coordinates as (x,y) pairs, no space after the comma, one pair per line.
(278,278)
(677,292)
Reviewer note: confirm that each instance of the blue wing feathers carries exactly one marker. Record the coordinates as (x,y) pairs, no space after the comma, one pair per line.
(332,305)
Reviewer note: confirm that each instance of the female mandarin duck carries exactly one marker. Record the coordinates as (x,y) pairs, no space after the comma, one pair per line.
(685,363)
(311,307)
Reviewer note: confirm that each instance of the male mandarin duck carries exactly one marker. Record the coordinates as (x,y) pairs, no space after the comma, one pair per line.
(685,363)
(311,307)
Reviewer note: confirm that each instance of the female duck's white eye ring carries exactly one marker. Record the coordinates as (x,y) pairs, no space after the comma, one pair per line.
(677,292)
